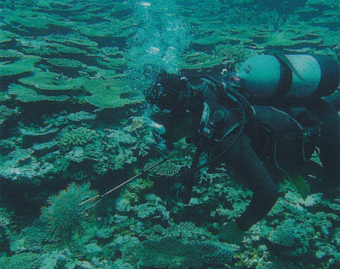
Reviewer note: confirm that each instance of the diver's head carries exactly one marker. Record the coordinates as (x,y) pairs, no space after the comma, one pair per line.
(170,92)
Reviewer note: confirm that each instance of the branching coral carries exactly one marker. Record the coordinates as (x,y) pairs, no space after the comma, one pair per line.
(186,231)
(65,214)
(75,137)
(233,53)
(167,169)
(168,252)
(21,261)
(289,234)
(214,253)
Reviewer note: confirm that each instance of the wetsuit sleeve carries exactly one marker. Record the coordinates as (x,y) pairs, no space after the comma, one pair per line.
(244,160)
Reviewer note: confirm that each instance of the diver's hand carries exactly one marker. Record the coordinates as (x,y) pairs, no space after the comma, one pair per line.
(230,233)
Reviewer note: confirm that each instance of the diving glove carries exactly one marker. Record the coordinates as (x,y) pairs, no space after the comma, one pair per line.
(231,234)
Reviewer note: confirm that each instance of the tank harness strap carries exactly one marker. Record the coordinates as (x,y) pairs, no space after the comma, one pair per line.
(286,61)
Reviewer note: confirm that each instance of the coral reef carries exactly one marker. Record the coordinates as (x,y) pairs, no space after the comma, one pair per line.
(70,138)
(213,253)
(72,112)
(22,261)
(168,252)
(111,93)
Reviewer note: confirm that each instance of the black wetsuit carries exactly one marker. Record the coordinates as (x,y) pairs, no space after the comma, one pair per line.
(258,141)
(244,156)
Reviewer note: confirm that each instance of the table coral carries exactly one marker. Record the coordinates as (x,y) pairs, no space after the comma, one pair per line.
(106,36)
(49,81)
(6,36)
(111,93)
(73,40)
(26,94)
(29,19)
(10,54)
(21,67)
(66,63)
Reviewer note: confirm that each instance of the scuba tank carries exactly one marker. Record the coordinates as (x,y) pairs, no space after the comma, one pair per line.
(278,76)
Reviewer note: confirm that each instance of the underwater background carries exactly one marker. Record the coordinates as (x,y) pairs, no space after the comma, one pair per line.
(74,124)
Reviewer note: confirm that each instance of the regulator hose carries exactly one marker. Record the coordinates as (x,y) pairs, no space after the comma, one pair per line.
(245,107)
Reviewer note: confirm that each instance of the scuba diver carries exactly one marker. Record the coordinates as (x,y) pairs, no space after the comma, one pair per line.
(272,113)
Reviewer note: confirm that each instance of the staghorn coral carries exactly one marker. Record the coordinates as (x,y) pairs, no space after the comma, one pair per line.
(22,166)
(65,214)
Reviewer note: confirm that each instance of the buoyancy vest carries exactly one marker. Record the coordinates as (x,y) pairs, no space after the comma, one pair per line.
(288,132)
(292,133)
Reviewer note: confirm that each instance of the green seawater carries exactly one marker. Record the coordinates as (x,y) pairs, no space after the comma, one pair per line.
(74,125)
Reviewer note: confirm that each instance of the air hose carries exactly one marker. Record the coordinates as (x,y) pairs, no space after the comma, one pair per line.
(241,101)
